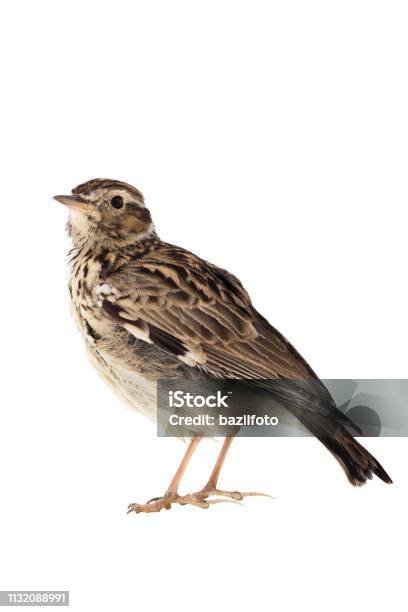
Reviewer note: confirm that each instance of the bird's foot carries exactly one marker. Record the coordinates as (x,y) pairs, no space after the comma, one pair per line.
(158,503)
(231,495)
(198,499)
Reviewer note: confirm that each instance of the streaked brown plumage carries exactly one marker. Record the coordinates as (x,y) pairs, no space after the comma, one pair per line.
(151,310)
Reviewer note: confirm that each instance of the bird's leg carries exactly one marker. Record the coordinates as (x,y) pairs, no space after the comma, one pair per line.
(171,496)
(172,489)
(211,487)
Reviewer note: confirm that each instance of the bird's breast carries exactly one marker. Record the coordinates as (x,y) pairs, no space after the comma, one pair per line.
(85,277)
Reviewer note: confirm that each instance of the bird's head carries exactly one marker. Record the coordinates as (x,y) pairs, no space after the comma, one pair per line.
(105,210)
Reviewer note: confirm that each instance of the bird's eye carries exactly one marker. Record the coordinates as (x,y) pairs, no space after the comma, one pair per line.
(117,202)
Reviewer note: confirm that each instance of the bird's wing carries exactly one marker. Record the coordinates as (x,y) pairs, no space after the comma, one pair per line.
(199,313)
(203,315)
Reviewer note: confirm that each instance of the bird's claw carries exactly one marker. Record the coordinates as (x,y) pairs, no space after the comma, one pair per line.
(231,495)
(149,507)
(159,503)
(199,499)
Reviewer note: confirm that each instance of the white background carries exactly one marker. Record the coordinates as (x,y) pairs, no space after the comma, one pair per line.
(270,138)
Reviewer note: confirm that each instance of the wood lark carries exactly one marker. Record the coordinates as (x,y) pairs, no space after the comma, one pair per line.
(149,310)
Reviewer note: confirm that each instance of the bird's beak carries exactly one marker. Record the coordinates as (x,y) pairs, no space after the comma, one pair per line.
(75,203)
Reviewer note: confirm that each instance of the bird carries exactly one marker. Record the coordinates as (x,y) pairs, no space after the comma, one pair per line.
(149,310)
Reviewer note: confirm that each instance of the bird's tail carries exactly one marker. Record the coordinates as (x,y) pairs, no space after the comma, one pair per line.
(314,407)
(358,464)
(356,461)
